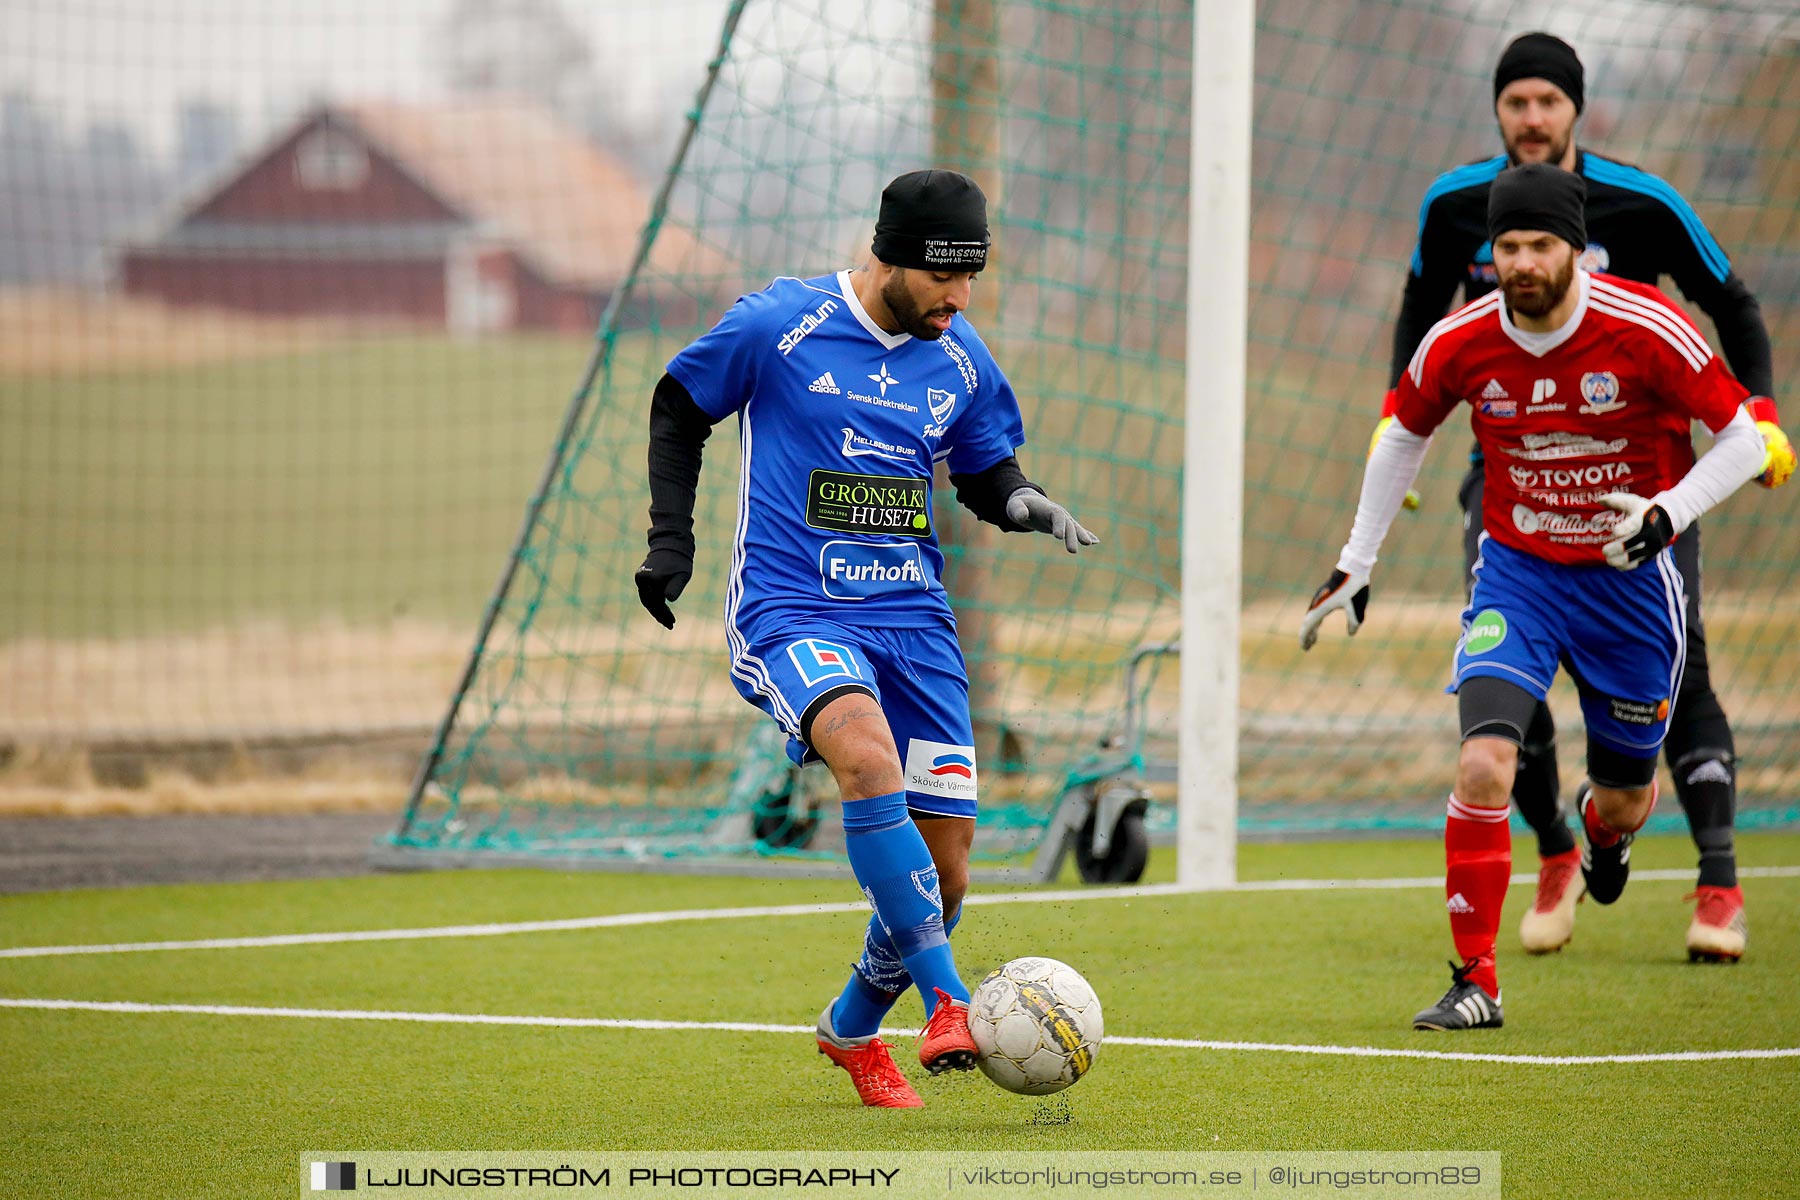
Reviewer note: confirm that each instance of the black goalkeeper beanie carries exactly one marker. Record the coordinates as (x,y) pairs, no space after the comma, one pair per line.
(1542,56)
(932,221)
(1539,196)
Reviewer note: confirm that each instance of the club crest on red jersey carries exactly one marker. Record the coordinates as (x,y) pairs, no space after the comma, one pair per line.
(1600,390)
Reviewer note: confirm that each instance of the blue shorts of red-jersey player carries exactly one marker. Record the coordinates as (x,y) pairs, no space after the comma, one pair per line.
(1621,635)
(791,668)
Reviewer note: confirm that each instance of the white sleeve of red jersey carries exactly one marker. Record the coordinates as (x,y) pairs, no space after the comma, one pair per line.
(1736,457)
(1392,467)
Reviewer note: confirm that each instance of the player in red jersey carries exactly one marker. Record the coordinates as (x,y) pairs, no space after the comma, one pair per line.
(1641,228)
(1582,388)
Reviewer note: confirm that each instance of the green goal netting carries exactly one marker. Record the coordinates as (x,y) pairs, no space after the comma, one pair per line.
(586,730)
(298,356)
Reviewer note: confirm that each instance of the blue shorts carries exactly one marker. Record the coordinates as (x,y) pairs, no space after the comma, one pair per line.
(1621,635)
(791,668)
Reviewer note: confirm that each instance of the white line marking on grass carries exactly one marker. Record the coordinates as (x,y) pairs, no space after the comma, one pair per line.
(1547,1060)
(450,931)
(352,1014)
(669,916)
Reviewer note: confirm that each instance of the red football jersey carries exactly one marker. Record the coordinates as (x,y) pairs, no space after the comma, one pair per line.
(1603,404)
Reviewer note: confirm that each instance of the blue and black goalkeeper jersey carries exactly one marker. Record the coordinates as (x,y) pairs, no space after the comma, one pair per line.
(1638,227)
(840,423)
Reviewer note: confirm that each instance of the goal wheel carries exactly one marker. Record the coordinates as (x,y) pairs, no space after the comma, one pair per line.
(775,825)
(1124,860)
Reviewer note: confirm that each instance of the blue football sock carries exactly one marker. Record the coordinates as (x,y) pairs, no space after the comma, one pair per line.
(894,867)
(876,983)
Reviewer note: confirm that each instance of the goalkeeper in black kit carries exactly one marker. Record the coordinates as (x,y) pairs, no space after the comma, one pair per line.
(1640,228)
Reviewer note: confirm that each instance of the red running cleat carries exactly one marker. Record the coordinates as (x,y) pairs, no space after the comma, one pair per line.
(947,1044)
(1550,922)
(1719,932)
(878,1081)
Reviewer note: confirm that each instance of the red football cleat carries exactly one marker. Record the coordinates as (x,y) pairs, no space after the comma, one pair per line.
(1719,931)
(947,1044)
(1550,922)
(878,1081)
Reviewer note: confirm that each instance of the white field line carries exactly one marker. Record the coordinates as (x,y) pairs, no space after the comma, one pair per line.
(669,916)
(340,1014)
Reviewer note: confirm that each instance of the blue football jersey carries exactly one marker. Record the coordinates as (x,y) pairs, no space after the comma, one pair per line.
(840,423)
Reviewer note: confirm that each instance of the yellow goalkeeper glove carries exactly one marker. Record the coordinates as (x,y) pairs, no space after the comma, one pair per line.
(1411,503)
(1778,463)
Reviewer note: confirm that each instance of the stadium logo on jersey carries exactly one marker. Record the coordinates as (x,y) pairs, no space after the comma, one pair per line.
(1549,447)
(808,323)
(859,571)
(1601,391)
(856,445)
(1594,258)
(941,769)
(883,380)
(890,504)
(818,660)
(825,385)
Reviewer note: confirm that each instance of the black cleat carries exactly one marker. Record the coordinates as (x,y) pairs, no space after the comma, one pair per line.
(1464,1006)
(1606,869)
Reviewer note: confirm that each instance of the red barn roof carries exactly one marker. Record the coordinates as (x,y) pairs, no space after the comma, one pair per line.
(571,207)
(506,167)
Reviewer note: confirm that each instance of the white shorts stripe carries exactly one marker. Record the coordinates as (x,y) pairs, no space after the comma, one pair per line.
(745,665)
(1676,599)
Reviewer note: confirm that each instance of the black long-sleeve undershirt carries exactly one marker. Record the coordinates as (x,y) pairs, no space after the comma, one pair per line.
(678,432)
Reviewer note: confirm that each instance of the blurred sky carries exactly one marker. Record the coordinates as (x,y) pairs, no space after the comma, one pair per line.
(135,61)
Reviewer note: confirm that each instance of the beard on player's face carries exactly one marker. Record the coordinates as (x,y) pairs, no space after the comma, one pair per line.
(1533,293)
(1537,146)
(913,317)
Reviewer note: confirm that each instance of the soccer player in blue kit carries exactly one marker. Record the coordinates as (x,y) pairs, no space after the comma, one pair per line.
(847,389)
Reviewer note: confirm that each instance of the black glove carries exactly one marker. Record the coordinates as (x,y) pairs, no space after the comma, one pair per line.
(661,579)
(1642,531)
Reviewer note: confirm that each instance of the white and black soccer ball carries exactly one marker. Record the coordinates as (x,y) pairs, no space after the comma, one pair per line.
(1037,1026)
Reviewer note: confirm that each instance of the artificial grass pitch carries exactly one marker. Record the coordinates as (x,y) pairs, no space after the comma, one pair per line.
(120,1103)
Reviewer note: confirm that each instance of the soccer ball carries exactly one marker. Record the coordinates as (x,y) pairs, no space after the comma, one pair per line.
(1036,1024)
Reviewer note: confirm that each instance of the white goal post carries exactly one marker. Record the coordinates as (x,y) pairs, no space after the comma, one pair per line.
(1212,497)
